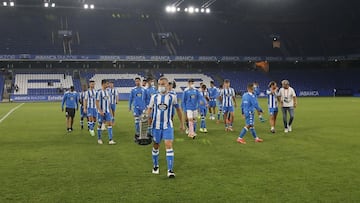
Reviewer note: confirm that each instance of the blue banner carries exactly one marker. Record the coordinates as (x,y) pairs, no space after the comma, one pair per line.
(30,57)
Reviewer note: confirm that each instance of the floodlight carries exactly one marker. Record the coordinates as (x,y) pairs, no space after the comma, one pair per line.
(92,6)
(191,9)
(168,9)
(207,10)
(46,4)
(196,10)
(53,5)
(186,9)
(12,4)
(4,3)
(202,10)
(173,9)
(178,9)
(86,6)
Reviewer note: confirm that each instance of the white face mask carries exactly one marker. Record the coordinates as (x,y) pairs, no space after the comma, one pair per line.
(192,86)
(152,84)
(162,89)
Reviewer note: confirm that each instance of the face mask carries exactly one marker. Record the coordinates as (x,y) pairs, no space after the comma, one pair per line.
(152,84)
(162,89)
(192,86)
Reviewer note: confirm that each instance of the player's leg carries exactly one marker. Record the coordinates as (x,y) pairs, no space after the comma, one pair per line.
(204,124)
(284,112)
(136,113)
(81,118)
(155,150)
(231,118)
(109,123)
(150,122)
(195,116)
(202,121)
(72,116)
(100,122)
(190,117)
(186,122)
(226,115)
(169,137)
(220,112)
(113,108)
(291,112)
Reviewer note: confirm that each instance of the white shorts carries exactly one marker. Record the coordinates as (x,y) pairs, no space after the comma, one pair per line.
(191,114)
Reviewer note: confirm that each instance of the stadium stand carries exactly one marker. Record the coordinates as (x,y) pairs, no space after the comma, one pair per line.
(101,33)
(42,84)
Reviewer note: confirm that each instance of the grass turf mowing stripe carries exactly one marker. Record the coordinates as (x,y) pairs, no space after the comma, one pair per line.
(10,112)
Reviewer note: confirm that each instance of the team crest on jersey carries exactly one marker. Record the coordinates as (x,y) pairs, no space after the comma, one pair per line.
(106,97)
(162,106)
(138,94)
(71,98)
(192,96)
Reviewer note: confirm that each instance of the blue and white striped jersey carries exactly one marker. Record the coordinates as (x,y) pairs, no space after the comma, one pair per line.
(90,96)
(227,97)
(272,99)
(82,98)
(162,105)
(103,97)
(113,95)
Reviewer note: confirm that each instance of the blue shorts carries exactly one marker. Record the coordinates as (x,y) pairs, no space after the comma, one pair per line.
(106,118)
(212,103)
(113,107)
(92,112)
(166,134)
(228,109)
(272,111)
(138,111)
(249,118)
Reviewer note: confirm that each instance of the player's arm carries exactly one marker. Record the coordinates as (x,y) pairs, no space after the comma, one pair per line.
(179,113)
(130,99)
(295,99)
(85,102)
(117,96)
(234,98)
(97,103)
(63,102)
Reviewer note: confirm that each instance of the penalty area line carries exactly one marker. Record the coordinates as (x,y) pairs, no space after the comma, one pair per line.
(10,112)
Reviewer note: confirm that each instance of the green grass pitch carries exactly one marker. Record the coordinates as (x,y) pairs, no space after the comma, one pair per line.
(317,162)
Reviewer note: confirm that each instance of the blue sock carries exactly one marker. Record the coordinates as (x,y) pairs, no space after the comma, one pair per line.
(110,132)
(99,132)
(253,132)
(155,156)
(218,115)
(202,122)
(243,132)
(137,125)
(92,125)
(170,158)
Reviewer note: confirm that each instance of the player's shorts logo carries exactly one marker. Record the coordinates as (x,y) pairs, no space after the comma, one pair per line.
(162,107)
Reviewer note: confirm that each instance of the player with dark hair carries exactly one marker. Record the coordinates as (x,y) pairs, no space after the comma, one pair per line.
(82,113)
(90,106)
(248,105)
(114,99)
(213,94)
(161,104)
(137,103)
(203,103)
(228,99)
(70,99)
(273,94)
(104,112)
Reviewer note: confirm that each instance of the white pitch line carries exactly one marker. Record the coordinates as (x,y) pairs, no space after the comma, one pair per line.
(10,112)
